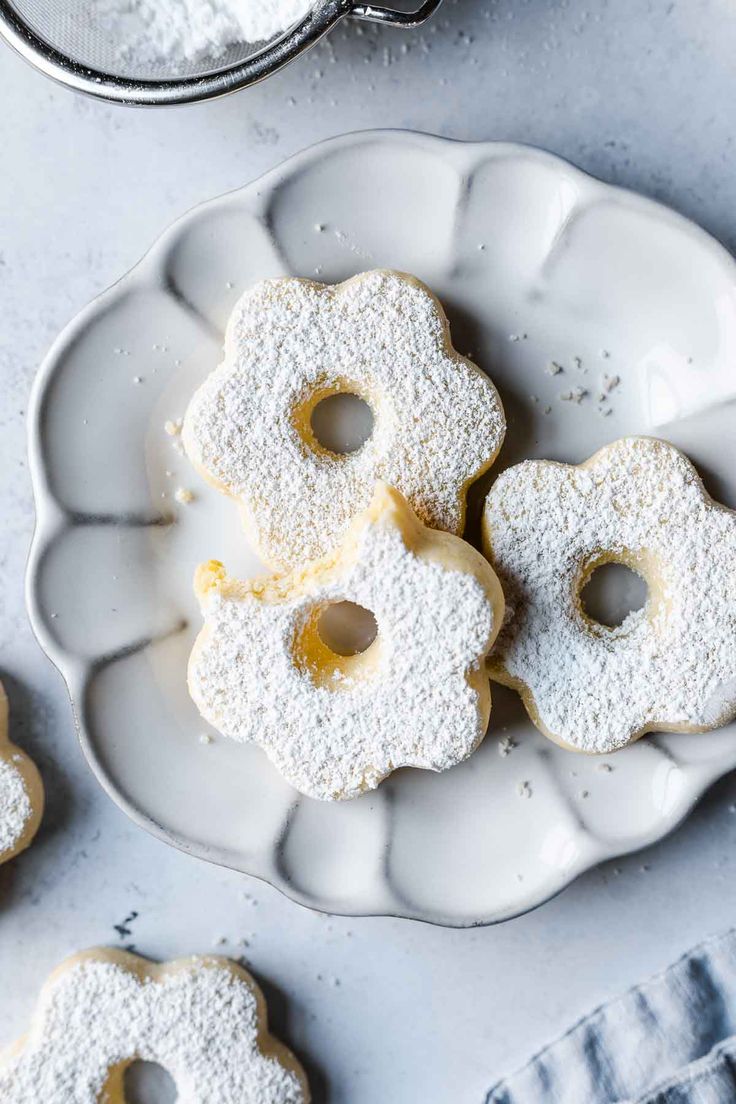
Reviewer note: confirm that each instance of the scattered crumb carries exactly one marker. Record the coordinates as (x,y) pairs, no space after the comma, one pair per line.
(220,940)
(584,794)
(578,362)
(547,410)
(609,383)
(605,354)
(524,789)
(173,427)
(553,368)
(481,247)
(513,337)
(205,738)
(604,411)
(604,768)
(123,928)
(319,227)
(575,395)
(534,398)
(184,495)
(505,746)
(520,877)
(137,379)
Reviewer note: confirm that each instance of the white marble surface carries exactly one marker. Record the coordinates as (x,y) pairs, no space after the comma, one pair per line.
(637,91)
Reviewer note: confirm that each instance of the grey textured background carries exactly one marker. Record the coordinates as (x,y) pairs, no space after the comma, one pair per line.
(639,92)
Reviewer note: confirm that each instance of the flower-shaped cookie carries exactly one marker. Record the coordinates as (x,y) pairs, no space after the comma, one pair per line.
(202,1019)
(21,792)
(336,725)
(438,420)
(670,666)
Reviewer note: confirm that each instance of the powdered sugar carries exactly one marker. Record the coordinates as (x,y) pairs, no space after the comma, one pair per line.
(15,806)
(438,421)
(412,699)
(165,31)
(200,1023)
(671,665)
(21,792)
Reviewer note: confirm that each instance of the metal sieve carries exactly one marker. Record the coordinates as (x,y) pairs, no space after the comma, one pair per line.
(68,41)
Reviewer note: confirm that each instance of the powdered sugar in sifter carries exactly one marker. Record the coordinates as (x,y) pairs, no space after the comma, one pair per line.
(68,40)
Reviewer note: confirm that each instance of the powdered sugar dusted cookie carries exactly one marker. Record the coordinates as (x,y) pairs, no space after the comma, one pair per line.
(438,420)
(336,725)
(670,666)
(21,792)
(202,1019)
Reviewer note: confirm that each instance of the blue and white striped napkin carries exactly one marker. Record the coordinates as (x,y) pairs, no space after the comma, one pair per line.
(671,1040)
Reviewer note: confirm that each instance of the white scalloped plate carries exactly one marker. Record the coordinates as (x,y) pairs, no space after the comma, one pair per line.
(535,262)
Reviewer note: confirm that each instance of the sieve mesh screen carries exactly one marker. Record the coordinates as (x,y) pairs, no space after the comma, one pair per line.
(80,30)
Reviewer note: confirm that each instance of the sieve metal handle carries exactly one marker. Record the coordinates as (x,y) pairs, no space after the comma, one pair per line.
(394,18)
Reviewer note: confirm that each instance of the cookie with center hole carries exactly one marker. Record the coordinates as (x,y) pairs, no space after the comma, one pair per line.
(437,420)
(203,1019)
(669,666)
(336,724)
(21,792)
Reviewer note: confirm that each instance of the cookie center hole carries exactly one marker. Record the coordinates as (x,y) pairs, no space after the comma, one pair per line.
(612,592)
(342,423)
(148,1083)
(346,628)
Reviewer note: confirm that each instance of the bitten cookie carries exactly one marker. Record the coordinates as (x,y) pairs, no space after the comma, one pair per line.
(336,725)
(202,1019)
(21,792)
(438,420)
(670,666)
